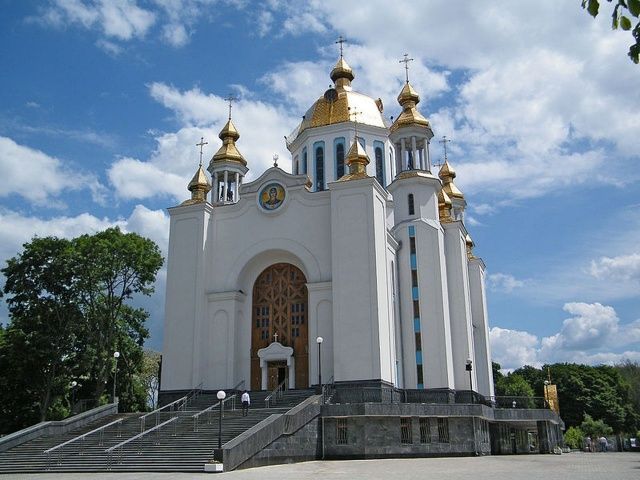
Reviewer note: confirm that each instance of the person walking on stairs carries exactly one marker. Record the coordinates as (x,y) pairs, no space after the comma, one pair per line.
(246,401)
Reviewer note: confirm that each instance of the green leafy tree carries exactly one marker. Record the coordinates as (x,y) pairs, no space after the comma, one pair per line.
(623,13)
(595,428)
(150,376)
(69,311)
(573,437)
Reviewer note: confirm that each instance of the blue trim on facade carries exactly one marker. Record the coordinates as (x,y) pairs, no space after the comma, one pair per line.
(414,263)
(414,293)
(412,231)
(319,168)
(416,324)
(382,178)
(419,357)
(304,160)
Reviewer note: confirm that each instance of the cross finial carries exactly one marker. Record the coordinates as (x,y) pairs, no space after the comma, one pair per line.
(406,61)
(341,40)
(275,159)
(444,142)
(230,98)
(275,337)
(355,114)
(201,144)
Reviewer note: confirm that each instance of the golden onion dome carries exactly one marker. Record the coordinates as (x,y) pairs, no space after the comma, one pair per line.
(199,186)
(408,98)
(342,70)
(357,161)
(228,152)
(337,104)
(447,174)
(444,206)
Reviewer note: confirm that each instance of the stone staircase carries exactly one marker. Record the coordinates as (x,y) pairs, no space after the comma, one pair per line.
(181,446)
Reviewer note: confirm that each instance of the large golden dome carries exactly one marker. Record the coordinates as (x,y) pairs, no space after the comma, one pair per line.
(336,105)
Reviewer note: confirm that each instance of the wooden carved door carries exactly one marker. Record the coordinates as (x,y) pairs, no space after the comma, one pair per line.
(279,314)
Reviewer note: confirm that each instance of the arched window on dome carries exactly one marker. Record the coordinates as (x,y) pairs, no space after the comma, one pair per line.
(339,156)
(318,152)
(412,210)
(304,160)
(378,148)
(296,166)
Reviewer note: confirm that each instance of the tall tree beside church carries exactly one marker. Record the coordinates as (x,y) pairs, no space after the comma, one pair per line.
(69,312)
(40,345)
(112,267)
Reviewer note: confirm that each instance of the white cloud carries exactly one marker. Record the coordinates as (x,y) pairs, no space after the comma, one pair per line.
(619,269)
(173,162)
(504,282)
(513,348)
(592,335)
(38,177)
(119,19)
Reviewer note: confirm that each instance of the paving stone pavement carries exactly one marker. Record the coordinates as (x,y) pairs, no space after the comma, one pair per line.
(572,466)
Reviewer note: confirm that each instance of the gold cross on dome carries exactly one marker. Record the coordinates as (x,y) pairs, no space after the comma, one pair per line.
(275,159)
(406,61)
(230,98)
(201,144)
(341,40)
(355,114)
(444,142)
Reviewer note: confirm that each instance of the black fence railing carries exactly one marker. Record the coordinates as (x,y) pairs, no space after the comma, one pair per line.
(383,394)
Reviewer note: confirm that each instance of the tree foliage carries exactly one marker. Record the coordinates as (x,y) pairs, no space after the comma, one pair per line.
(69,311)
(595,428)
(623,12)
(573,437)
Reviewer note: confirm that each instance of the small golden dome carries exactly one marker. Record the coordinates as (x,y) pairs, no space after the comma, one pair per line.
(470,246)
(199,186)
(408,99)
(342,70)
(357,161)
(228,152)
(447,174)
(444,206)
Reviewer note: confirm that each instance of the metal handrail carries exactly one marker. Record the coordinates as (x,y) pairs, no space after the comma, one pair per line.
(210,408)
(193,393)
(156,412)
(278,392)
(110,450)
(81,437)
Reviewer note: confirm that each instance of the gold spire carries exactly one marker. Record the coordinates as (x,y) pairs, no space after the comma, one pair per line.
(228,152)
(408,99)
(447,174)
(342,75)
(199,186)
(444,206)
(470,246)
(357,162)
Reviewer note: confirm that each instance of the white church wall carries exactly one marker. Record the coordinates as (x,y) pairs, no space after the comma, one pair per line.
(484,371)
(459,304)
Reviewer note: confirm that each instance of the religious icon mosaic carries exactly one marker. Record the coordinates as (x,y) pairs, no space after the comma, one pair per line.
(271,196)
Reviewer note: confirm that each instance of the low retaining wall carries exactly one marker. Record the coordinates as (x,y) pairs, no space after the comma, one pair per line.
(56,427)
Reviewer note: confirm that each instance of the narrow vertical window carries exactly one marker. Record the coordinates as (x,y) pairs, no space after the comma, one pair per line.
(304,160)
(341,431)
(425,430)
(379,162)
(295,166)
(411,207)
(339,158)
(319,157)
(405,430)
(443,430)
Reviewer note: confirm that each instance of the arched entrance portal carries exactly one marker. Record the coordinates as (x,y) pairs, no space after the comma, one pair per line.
(280,315)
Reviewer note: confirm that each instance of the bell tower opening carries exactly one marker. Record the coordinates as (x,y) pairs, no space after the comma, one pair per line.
(279,316)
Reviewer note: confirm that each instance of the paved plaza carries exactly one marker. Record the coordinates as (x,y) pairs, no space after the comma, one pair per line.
(572,466)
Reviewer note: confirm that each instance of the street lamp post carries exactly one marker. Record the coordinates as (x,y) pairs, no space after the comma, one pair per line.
(319,341)
(116,355)
(74,384)
(221,396)
(546,394)
(469,368)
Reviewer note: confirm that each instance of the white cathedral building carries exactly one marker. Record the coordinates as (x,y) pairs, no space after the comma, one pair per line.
(363,245)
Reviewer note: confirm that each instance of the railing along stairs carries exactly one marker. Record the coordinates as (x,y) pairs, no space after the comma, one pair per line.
(275,394)
(109,451)
(58,448)
(209,409)
(175,406)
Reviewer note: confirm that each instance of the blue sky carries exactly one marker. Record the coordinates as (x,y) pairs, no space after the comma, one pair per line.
(102,102)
